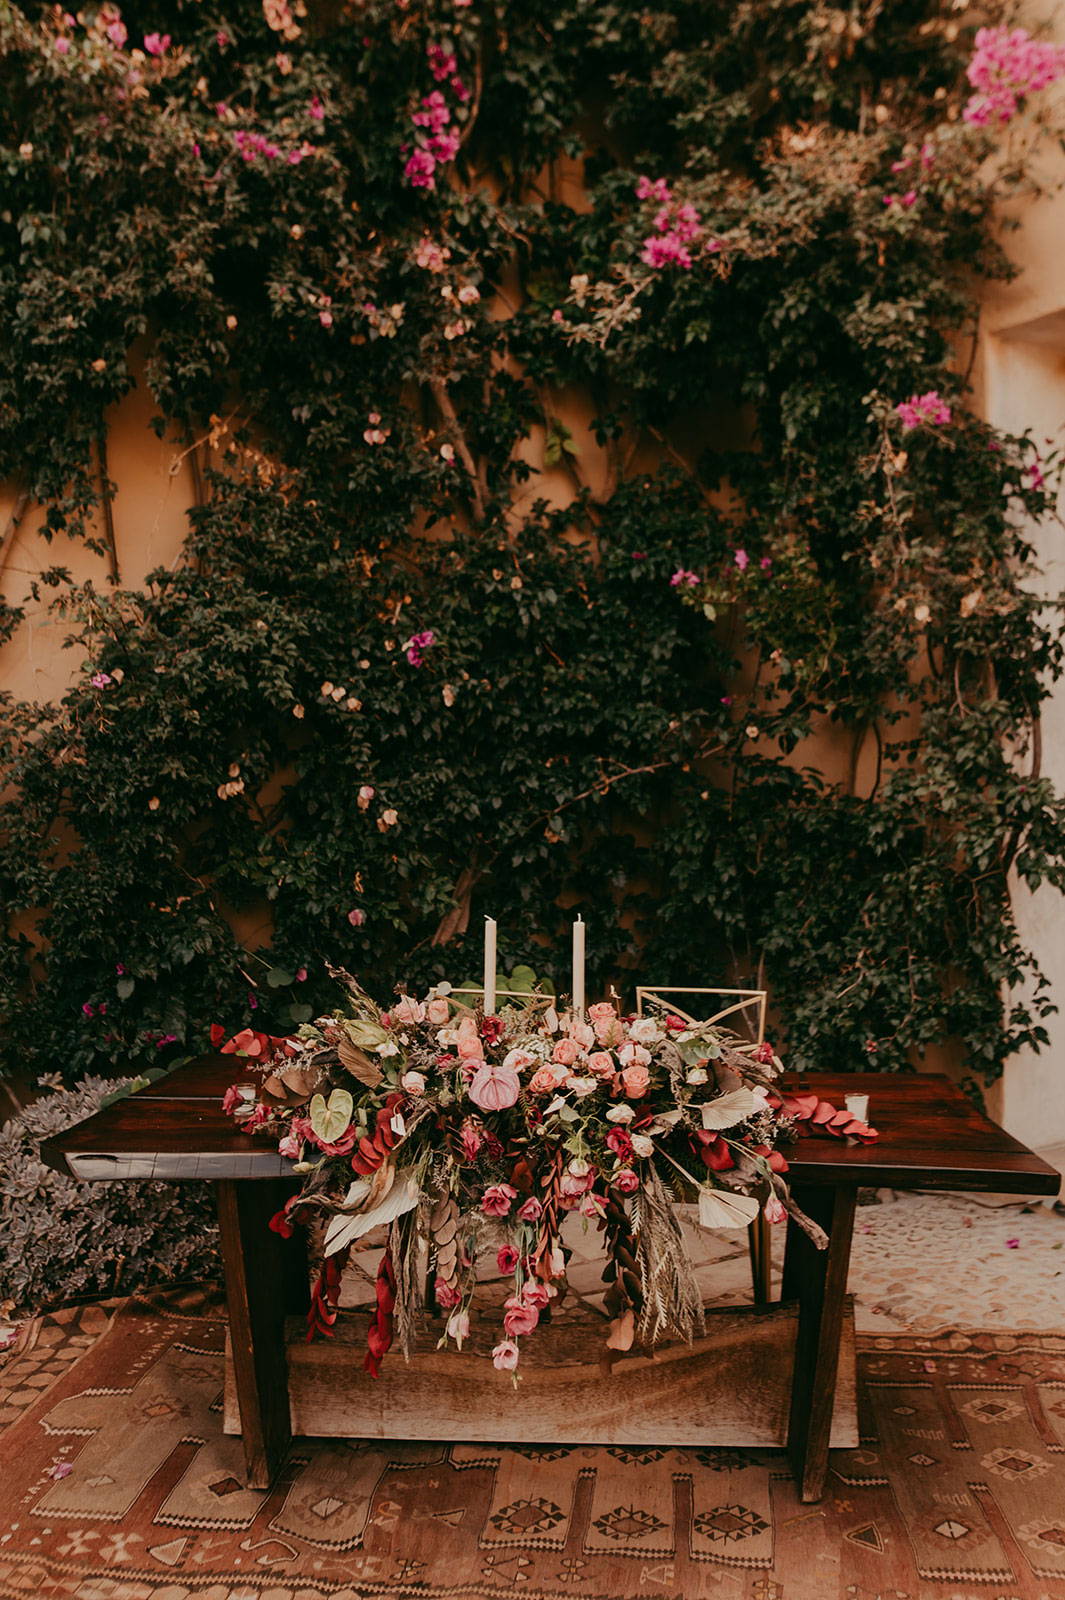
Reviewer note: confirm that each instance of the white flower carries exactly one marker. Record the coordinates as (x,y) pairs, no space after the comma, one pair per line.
(642,1145)
(645,1030)
(413,1082)
(582,1086)
(578,1168)
(697,1075)
(620,1113)
(389,1048)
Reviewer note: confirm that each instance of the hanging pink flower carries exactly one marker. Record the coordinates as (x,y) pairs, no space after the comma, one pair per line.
(519,1318)
(505,1356)
(495,1087)
(531,1210)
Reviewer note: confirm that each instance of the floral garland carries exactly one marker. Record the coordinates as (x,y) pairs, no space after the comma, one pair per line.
(465,1133)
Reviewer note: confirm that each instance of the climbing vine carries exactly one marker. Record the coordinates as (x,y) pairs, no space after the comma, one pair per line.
(590,512)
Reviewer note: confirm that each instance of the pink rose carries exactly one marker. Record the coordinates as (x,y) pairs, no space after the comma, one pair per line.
(497,1198)
(468,1041)
(572,1185)
(447,1296)
(437,1012)
(519,1318)
(633,1055)
(601,1063)
(566,1052)
(543,1081)
(531,1211)
(579,1030)
(505,1356)
(289,1148)
(407,1010)
(625,1181)
(602,1012)
(506,1259)
(495,1087)
(636,1080)
(413,1083)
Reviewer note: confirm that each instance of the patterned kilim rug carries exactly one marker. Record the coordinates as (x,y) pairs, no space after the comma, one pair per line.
(116,1483)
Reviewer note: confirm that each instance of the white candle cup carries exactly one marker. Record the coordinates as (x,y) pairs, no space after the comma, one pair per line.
(578,967)
(489,967)
(858,1106)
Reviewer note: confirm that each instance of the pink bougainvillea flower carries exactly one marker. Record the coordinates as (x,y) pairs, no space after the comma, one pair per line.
(930,408)
(357,917)
(101,680)
(1013,1244)
(419,169)
(459,90)
(157,44)
(1006,65)
(766,564)
(665,250)
(88,1009)
(62,45)
(435,113)
(116,32)
(684,578)
(441,62)
(656,189)
(505,1356)
(444,146)
(59,1469)
(741,559)
(316,110)
(416,646)
(301,974)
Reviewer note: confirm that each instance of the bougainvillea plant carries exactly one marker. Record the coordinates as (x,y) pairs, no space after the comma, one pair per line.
(470,1135)
(589,511)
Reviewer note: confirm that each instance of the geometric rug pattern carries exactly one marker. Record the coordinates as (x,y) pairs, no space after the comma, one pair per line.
(117,1483)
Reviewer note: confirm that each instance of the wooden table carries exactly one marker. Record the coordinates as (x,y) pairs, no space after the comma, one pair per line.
(931,1137)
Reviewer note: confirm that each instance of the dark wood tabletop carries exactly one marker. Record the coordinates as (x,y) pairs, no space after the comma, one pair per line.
(930,1136)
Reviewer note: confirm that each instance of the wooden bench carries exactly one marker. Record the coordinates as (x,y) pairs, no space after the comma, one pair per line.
(931,1137)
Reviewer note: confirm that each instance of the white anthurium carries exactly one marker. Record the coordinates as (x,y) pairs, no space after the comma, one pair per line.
(729,1109)
(723,1208)
(330,1119)
(403,1196)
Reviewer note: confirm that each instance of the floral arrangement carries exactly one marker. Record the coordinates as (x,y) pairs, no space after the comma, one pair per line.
(468,1133)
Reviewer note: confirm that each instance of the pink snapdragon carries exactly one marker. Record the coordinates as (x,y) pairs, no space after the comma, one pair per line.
(930,408)
(1007,65)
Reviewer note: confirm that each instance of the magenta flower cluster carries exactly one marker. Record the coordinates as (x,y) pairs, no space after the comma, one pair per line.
(438,141)
(678,228)
(251,145)
(1006,65)
(417,645)
(930,407)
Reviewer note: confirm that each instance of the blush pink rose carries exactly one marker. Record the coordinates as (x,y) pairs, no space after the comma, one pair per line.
(437,1012)
(468,1041)
(601,1064)
(407,1010)
(497,1198)
(518,1059)
(566,1052)
(531,1211)
(602,1012)
(519,1318)
(580,1032)
(494,1087)
(609,1031)
(637,1080)
(543,1081)
(505,1356)
(625,1181)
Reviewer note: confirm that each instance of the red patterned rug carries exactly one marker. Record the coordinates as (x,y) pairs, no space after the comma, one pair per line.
(118,1484)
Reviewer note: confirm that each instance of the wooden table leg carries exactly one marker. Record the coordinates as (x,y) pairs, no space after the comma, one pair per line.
(266,1277)
(818,1280)
(760,1248)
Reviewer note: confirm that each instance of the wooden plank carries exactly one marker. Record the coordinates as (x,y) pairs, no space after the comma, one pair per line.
(931,1136)
(819,1279)
(730,1388)
(263,1274)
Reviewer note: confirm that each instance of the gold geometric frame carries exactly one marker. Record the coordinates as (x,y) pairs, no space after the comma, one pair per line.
(743,1002)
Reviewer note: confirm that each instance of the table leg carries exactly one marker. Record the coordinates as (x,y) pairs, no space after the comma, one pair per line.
(818,1280)
(760,1248)
(266,1277)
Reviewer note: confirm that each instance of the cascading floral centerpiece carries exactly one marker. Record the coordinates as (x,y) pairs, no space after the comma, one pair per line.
(469,1133)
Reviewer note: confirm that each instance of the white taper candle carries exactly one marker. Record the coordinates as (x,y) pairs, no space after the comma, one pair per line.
(489,967)
(578,966)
